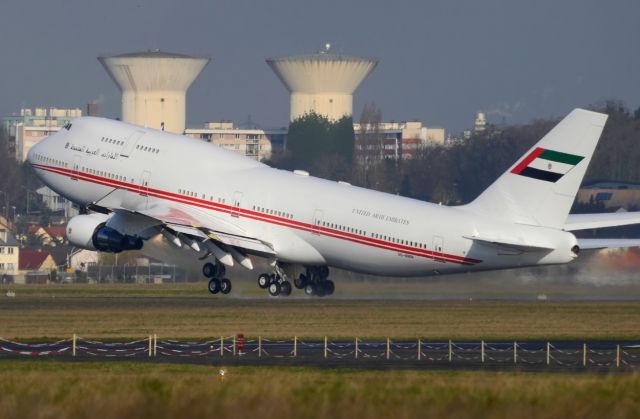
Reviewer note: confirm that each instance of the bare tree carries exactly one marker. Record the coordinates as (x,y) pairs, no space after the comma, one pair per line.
(369,147)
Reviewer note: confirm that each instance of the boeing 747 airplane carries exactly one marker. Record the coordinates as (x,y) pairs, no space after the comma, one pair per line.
(181,199)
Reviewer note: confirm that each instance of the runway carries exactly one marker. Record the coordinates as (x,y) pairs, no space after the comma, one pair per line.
(534,355)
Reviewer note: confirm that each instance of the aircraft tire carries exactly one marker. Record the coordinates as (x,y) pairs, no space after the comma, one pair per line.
(264,281)
(274,289)
(285,289)
(225,286)
(329,287)
(214,286)
(308,290)
(209,270)
(301,281)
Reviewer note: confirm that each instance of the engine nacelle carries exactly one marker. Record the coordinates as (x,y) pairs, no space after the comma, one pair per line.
(91,232)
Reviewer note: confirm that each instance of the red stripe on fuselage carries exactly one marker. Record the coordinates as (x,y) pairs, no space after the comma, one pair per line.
(259,216)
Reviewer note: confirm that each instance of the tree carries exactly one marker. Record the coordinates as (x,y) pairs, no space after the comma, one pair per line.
(323,147)
(369,148)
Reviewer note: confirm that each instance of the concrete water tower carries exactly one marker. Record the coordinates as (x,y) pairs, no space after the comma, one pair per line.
(154,86)
(322,83)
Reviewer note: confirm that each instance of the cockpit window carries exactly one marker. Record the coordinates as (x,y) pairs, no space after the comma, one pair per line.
(67,126)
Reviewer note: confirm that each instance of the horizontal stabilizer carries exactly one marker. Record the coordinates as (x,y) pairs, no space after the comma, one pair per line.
(590,244)
(613,219)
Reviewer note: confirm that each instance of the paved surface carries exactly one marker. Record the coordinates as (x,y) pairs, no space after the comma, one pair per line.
(597,356)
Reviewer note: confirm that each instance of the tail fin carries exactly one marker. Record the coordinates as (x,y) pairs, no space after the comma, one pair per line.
(540,187)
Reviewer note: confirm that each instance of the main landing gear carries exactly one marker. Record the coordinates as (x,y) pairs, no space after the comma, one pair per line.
(275,283)
(314,281)
(217,282)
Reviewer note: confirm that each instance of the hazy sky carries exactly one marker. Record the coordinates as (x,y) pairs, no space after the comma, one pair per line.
(440,61)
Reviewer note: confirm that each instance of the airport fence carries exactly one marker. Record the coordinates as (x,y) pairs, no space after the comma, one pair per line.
(570,354)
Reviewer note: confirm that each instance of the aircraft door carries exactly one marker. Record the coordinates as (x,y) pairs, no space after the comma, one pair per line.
(75,166)
(130,143)
(144,183)
(318,217)
(237,201)
(438,244)
(144,187)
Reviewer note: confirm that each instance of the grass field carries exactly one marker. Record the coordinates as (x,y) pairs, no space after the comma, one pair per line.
(134,390)
(188,311)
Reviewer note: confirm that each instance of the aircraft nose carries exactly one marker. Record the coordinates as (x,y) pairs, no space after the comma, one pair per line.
(32,153)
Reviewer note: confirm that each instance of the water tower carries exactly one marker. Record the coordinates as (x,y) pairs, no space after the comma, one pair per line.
(322,83)
(154,86)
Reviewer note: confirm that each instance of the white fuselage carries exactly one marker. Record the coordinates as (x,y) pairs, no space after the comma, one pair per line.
(306,220)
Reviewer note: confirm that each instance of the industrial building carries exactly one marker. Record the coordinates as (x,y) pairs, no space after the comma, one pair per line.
(611,195)
(322,83)
(29,126)
(254,143)
(401,140)
(154,86)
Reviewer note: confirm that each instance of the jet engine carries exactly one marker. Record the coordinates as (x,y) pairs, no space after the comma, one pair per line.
(91,232)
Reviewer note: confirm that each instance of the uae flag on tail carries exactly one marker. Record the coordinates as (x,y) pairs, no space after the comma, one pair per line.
(547,165)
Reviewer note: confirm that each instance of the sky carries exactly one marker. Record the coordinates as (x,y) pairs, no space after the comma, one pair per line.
(440,62)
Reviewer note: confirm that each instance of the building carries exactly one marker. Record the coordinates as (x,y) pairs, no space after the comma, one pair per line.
(154,86)
(401,139)
(322,83)
(253,143)
(35,266)
(480,123)
(9,253)
(83,259)
(56,203)
(48,236)
(610,195)
(29,126)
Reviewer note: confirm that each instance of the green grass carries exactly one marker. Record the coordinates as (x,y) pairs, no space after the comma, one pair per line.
(188,311)
(47,389)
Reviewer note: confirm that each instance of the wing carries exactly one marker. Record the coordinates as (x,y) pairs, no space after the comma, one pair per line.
(587,221)
(205,232)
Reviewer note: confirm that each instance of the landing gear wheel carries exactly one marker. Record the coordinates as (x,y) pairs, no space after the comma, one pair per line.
(329,287)
(301,281)
(225,286)
(209,270)
(214,286)
(319,290)
(264,281)
(308,290)
(274,289)
(285,288)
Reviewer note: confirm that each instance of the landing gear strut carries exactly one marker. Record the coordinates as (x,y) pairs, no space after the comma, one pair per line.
(217,282)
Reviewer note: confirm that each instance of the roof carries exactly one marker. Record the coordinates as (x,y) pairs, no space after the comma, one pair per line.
(31,259)
(11,241)
(53,231)
(152,53)
(611,185)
